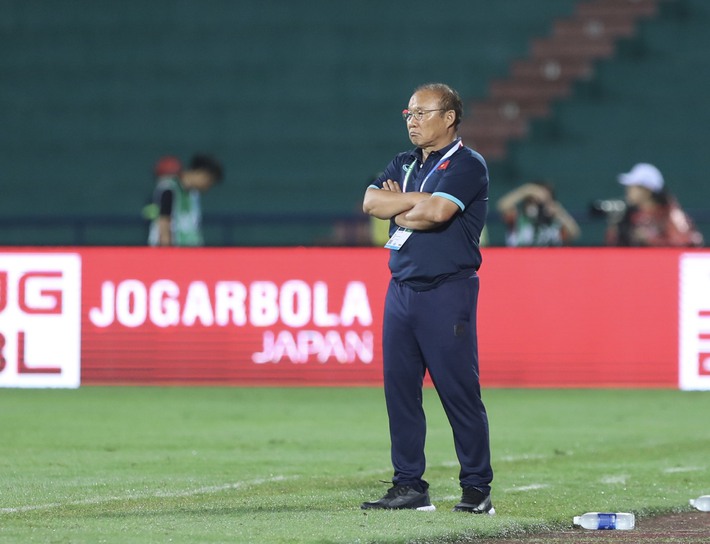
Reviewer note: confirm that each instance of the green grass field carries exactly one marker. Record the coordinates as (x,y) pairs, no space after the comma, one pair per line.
(193,465)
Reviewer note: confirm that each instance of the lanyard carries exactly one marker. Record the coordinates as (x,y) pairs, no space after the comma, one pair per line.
(450,152)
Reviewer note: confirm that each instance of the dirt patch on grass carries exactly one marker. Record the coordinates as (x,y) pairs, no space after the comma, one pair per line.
(683,528)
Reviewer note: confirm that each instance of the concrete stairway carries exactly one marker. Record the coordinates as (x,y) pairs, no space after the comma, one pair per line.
(554,65)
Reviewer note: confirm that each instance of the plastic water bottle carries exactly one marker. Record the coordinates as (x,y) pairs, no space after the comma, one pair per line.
(701,503)
(622,521)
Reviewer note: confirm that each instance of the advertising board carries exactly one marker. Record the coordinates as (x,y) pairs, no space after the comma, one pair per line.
(568,317)
(40,322)
(694,355)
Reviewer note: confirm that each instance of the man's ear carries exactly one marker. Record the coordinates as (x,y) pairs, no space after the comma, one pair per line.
(450,116)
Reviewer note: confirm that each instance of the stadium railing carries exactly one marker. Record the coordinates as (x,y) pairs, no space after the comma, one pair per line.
(252,230)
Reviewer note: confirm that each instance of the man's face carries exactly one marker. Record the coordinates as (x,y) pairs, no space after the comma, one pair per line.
(433,127)
(202,180)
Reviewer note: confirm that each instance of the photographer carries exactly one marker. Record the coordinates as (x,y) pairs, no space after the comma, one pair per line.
(533,217)
(652,217)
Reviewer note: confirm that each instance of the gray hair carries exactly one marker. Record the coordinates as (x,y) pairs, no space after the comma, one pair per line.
(449,98)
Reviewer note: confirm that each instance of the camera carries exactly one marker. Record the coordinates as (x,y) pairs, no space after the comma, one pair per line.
(607,208)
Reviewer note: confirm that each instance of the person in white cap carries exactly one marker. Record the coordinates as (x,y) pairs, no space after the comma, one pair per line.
(653,217)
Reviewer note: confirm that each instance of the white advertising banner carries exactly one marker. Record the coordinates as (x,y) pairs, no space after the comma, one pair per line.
(40,320)
(694,321)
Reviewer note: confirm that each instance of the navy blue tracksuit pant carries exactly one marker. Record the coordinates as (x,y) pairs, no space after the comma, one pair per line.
(435,330)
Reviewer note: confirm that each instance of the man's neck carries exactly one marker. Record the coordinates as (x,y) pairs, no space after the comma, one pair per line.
(426,151)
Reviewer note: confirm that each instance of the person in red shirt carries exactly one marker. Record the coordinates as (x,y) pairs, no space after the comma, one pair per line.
(653,217)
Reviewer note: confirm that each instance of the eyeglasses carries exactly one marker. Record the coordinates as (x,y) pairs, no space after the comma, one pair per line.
(418,115)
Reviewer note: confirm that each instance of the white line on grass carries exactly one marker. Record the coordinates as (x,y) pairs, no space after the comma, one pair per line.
(617,479)
(672,470)
(531,487)
(148,495)
(447,498)
(523,457)
(388,470)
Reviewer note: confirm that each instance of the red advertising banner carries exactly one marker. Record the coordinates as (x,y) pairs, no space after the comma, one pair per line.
(233,316)
(569,317)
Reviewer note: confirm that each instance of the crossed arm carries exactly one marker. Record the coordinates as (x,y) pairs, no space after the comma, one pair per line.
(413,210)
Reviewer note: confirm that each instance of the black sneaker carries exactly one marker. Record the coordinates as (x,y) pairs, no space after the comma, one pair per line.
(475,501)
(401,497)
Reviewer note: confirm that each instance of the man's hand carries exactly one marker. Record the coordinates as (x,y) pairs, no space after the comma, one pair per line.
(389,201)
(428,214)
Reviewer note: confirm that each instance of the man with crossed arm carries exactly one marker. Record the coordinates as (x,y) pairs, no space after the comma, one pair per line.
(436,197)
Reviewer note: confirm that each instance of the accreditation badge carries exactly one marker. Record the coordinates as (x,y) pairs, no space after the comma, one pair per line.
(398,238)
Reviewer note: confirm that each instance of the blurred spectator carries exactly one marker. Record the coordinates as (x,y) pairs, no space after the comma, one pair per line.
(533,217)
(178,221)
(166,166)
(650,216)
